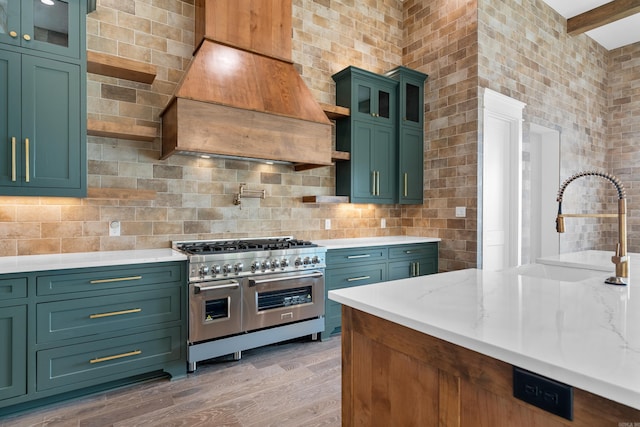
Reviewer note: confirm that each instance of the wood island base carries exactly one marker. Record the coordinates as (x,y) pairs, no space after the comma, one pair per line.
(396,376)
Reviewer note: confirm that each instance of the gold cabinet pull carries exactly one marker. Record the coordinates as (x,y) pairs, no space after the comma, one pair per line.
(355,279)
(405,184)
(417,268)
(27,37)
(116,279)
(373,183)
(13,34)
(115,356)
(114,313)
(13,158)
(358,256)
(26,161)
(377,183)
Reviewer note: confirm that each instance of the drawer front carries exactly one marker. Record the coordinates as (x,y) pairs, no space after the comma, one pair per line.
(13,288)
(412,268)
(337,278)
(104,360)
(414,251)
(90,316)
(109,278)
(355,255)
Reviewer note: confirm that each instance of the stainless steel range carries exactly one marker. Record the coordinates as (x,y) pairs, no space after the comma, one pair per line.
(252,292)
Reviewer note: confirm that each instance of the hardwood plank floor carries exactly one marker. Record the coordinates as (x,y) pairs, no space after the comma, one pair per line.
(291,384)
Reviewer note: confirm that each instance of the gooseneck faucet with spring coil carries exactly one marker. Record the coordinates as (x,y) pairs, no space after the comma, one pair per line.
(620,259)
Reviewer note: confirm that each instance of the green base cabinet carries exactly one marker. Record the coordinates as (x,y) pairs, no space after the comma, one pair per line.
(13,352)
(366,265)
(82,329)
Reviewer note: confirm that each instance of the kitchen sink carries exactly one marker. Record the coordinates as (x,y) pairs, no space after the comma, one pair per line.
(554,272)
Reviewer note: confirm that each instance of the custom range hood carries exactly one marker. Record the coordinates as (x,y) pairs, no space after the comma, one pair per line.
(241,96)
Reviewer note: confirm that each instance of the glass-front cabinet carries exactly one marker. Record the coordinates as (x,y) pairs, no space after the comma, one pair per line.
(51,26)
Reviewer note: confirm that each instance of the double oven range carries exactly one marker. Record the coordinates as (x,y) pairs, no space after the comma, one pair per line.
(249,293)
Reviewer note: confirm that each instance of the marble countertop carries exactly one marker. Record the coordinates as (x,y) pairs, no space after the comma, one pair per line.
(585,334)
(28,263)
(358,242)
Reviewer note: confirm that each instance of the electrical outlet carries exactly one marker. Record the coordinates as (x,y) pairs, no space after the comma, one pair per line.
(461,211)
(327,224)
(383,223)
(114,228)
(545,393)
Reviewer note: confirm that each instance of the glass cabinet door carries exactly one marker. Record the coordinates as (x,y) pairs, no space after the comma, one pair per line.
(51,26)
(412,99)
(10,22)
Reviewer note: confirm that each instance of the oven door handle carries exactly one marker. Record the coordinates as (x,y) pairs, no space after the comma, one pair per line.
(232,284)
(254,282)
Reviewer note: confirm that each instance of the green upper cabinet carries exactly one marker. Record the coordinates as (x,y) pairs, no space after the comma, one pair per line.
(53,26)
(369,135)
(41,120)
(410,134)
(43,98)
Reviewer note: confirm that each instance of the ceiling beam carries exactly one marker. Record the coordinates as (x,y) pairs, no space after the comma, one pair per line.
(605,14)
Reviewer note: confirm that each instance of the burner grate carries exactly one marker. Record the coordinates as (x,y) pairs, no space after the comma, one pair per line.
(217,247)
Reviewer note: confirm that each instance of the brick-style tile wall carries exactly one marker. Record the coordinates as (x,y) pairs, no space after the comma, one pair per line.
(441,40)
(624,131)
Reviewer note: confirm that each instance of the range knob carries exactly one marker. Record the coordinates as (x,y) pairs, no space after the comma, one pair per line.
(238,267)
(255,266)
(297,262)
(204,270)
(284,263)
(306,260)
(215,269)
(226,269)
(315,260)
(265,265)
(274,264)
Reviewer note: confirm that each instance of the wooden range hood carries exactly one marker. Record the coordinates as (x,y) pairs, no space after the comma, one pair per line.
(241,95)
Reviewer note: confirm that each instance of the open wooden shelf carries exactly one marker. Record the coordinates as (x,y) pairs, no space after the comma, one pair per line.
(121,131)
(336,156)
(120,193)
(122,68)
(325,199)
(334,112)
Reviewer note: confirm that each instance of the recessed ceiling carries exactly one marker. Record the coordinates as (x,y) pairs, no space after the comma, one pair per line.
(616,34)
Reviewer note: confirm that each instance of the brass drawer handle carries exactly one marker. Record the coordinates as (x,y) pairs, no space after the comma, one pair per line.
(117,279)
(405,184)
(26,162)
(115,356)
(13,159)
(355,279)
(114,313)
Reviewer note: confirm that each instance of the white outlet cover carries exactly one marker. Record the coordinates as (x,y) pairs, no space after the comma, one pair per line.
(114,228)
(327,224)
(461,211)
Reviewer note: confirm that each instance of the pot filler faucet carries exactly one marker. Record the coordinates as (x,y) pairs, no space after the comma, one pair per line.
(620,259)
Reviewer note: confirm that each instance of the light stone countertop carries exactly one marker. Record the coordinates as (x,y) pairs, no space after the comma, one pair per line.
(585,334)
(360,242)
(29,263)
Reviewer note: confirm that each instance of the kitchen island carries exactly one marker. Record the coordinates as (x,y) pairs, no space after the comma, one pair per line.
(441,350)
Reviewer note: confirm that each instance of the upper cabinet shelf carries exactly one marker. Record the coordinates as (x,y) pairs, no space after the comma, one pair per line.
(122,68)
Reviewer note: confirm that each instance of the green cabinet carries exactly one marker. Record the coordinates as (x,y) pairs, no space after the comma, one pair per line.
(65,331)
(372,264)
(412,260)
(52,28)
(42,100)
(13,352)
(410,134)
(384,135)
(369,135)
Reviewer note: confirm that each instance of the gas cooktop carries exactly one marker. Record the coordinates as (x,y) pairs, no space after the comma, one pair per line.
(206,247)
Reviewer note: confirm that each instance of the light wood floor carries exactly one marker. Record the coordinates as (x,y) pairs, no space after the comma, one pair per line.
(292,384)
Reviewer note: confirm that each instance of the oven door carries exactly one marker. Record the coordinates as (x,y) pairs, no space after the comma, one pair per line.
(277,299)
(215,309)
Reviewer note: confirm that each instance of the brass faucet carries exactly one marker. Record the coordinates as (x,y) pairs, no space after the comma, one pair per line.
(620,258)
